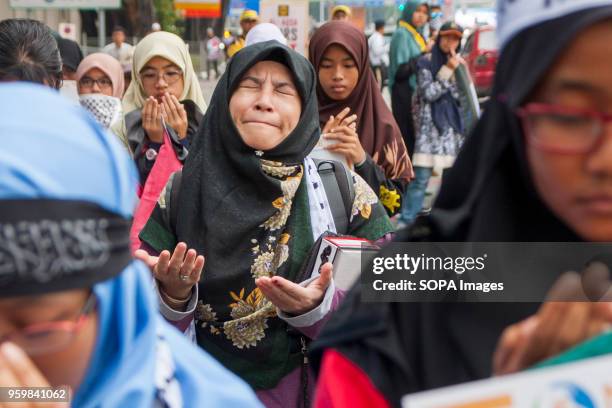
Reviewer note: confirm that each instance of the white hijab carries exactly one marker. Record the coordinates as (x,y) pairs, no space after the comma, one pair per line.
(265,32)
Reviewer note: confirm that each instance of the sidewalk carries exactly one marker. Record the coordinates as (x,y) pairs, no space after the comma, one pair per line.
(208,87)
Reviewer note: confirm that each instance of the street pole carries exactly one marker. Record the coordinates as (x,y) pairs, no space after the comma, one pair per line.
(321,11)
(101,28)
(202,49)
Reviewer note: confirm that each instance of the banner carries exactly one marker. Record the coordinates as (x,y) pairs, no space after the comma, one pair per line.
(585,384)
(66,4)
(240,5)
(199,8)
(291,17)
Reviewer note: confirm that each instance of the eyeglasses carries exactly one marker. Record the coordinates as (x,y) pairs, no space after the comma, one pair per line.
(47,337)
(151,77)
(103,83)
(563,130)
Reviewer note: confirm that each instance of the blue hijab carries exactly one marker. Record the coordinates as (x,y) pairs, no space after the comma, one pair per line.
(446,111)
(53,150)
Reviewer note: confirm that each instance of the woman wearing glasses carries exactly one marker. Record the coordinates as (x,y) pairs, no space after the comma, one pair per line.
(163,109)
(163,100)
(537,168)
(100,85)
(75,309)
(100,74)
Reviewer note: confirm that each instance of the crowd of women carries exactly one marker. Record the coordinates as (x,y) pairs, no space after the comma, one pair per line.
(125,221)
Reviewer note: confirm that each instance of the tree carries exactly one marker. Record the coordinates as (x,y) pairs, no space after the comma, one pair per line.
(140,15)
(167,16)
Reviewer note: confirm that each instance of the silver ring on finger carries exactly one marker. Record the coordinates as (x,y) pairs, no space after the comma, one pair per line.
(184,277)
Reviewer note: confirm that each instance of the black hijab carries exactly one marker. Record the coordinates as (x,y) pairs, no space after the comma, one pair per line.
(226,180)
(238,209)
(487,196)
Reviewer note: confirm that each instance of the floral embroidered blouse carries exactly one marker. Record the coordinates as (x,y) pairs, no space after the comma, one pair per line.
(251,313)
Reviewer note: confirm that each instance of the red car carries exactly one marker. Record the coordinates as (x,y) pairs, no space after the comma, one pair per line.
(480,52)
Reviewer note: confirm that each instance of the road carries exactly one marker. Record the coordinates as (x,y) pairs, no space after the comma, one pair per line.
(208,88)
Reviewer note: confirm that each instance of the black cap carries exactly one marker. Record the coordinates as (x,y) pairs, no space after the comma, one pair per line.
(70,52)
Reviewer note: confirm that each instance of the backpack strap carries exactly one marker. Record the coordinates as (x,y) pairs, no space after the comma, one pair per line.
(339,189)
(172,197)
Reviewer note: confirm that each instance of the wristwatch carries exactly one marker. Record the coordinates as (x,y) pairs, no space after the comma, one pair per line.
(151,154)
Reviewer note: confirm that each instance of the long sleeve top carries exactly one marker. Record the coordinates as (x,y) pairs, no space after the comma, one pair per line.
(389,191)
(138,142)
(434,148)
(379,52)
(309,324)
(403,49)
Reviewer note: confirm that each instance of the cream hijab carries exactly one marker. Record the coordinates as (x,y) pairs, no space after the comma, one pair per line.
(168,46)
(173,48)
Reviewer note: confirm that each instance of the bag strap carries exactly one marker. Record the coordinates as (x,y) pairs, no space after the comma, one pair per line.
(172,198)
(339,189)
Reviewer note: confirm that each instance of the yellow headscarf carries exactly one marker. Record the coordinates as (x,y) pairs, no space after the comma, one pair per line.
(173,48)
(345,9)
(415,34)
(249,15)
